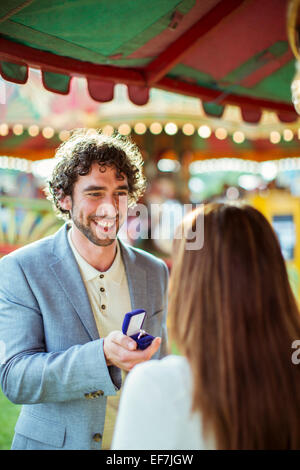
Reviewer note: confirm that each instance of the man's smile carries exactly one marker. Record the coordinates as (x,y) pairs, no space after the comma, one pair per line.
(106,224)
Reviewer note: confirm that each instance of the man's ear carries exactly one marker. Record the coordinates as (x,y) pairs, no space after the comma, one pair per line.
(66,203)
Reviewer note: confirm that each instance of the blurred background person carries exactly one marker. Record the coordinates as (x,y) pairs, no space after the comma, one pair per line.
(234,318)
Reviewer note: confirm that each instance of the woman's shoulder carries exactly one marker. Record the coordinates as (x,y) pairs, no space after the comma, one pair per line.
(178,365)
(172,370)
(172,362)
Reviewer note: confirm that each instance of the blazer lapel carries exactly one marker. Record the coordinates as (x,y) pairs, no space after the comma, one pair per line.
(136,278)
(67,272)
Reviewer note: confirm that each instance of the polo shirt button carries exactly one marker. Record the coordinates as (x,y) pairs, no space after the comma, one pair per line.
(97,437)
(102,289)
(103,307)
(101,276)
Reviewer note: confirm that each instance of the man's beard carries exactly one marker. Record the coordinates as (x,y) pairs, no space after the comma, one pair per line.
(91,236)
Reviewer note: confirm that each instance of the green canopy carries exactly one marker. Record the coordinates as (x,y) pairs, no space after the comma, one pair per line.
(224,52)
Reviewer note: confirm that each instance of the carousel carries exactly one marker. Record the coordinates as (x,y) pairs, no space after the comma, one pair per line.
(208,90)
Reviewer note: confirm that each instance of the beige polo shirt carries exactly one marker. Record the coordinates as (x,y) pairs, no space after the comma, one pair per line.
(109,297)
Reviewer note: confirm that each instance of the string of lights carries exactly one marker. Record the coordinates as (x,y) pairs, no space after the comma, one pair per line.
(170,128)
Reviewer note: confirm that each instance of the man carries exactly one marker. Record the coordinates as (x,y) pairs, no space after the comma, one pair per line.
(63,300)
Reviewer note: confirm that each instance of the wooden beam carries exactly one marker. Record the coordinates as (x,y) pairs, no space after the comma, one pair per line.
(220,97)
(24,55)
(159,67)
(8,9)
(35,58)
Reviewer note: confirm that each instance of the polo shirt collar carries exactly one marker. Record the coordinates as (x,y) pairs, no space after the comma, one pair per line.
(89,273)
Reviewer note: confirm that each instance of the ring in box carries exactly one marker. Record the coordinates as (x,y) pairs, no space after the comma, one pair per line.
(132,326)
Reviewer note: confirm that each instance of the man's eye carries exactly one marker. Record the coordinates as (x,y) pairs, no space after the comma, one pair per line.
(95,194)
(121,193)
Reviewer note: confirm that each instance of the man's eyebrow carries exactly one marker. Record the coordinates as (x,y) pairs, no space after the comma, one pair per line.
(103,188)
(94,188)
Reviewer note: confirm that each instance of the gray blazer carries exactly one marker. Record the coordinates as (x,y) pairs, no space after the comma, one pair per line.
(54,363)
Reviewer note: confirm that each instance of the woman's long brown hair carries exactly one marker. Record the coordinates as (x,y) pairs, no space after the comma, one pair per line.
(234,316)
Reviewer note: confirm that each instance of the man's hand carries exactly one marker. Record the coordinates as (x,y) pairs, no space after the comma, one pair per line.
(120,350)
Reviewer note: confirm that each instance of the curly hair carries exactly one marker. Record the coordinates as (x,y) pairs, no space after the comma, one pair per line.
(76,155)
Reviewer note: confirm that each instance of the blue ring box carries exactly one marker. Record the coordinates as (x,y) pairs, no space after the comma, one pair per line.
(132,326)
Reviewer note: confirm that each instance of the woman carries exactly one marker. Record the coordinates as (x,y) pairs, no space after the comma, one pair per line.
(234,318)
